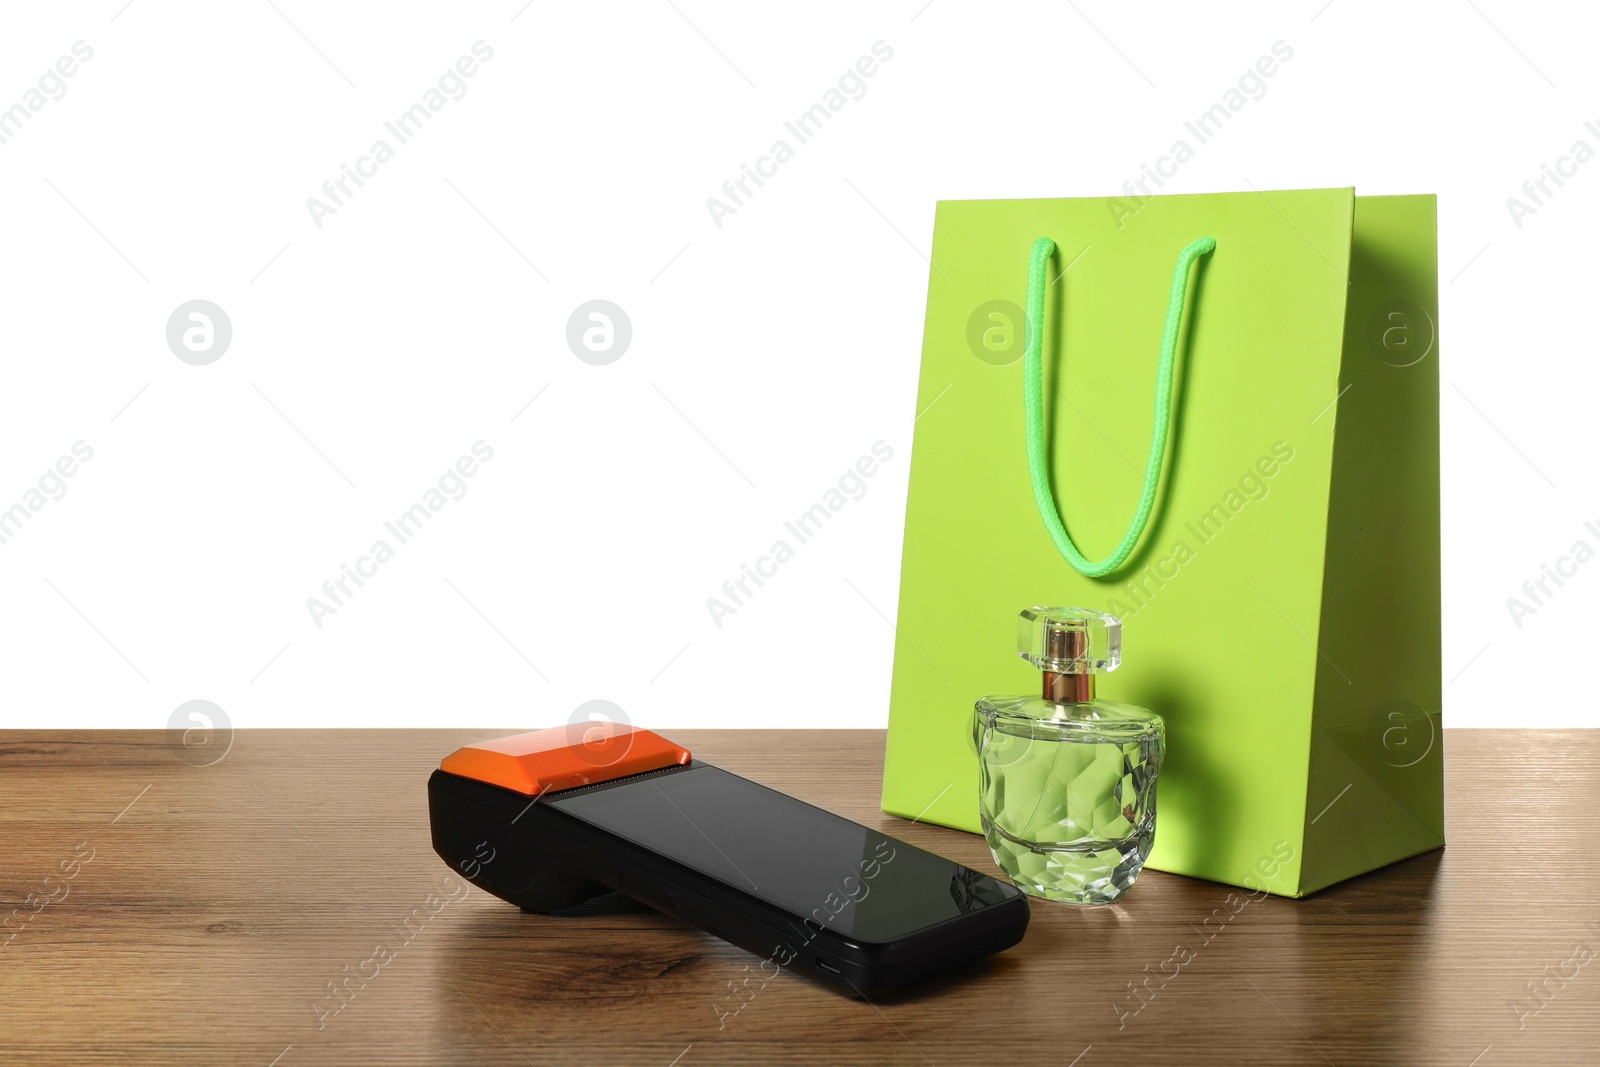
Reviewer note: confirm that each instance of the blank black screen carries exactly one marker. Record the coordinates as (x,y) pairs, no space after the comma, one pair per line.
(843,875)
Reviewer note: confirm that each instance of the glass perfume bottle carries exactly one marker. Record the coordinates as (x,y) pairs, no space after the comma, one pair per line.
(1068,782)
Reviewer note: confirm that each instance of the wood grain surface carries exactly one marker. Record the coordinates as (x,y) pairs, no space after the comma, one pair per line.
(181,914)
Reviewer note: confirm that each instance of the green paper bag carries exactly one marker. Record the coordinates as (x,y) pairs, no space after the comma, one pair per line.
(1282,608)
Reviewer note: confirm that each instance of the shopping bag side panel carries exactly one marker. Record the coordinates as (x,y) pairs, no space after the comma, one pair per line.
(1376,789)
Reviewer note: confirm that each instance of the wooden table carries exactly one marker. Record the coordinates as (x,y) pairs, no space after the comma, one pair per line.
(198,914)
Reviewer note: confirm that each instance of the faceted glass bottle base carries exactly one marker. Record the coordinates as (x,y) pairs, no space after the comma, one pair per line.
(1068,794)
(1083,872)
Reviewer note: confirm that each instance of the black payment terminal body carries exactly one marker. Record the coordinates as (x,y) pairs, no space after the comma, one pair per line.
(548,819)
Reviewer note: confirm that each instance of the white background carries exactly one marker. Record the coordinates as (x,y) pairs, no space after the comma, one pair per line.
(768,354)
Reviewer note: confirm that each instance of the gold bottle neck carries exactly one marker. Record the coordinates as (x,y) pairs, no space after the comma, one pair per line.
(1064,646)
(1068,688)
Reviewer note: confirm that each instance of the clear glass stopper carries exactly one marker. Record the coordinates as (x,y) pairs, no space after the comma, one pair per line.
(1070,640)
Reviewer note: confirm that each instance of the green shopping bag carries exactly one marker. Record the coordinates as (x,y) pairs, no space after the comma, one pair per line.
(1281,607)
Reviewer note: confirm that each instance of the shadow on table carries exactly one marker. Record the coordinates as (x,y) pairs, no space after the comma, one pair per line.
(1354,971)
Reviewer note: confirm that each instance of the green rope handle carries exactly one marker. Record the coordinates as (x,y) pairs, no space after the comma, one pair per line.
(1032,401)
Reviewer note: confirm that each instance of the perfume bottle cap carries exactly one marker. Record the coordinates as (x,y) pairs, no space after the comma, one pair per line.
(1069,640)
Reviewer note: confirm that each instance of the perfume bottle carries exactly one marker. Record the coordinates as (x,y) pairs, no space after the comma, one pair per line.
(1068,782)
